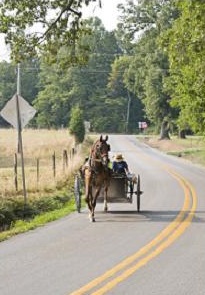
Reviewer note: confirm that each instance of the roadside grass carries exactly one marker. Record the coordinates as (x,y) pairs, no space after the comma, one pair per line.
(49,199)
(192,148)
(196,156)
(38,145)
(21,226)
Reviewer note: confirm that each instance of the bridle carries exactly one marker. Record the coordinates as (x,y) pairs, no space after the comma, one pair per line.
(99,154)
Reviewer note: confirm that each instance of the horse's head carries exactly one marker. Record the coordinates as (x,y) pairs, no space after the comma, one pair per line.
(101,151)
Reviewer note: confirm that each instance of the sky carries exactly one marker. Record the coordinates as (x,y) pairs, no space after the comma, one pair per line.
(108,14)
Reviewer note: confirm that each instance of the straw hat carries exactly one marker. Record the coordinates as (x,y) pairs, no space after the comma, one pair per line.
(119,158)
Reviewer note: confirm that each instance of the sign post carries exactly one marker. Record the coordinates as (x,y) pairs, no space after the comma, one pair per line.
(18,113)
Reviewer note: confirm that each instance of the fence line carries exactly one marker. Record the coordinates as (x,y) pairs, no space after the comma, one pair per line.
(65,161)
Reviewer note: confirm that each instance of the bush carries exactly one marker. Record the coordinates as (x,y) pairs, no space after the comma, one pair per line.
(76,124)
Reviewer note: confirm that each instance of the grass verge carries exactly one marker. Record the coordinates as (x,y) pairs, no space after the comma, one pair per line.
(21,226)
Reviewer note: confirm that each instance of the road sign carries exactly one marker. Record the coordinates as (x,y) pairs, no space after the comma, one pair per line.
(142,125)
(10,114)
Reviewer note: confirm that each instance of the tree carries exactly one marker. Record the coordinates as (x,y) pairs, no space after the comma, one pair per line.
(47,25)
(76,124)
(52,102)
(7,85)
(142,24)
(185,46)
(85,85)
(126,107)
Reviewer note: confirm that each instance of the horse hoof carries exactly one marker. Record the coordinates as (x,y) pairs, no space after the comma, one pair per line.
(92,219)
(105,209)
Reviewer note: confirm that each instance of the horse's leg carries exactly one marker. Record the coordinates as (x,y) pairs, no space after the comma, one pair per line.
(106,186)
(105,198)
(88,192)
(94,201)
(87,198)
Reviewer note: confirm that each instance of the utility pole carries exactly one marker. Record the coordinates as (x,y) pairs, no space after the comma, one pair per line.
(20,144)
(128,111)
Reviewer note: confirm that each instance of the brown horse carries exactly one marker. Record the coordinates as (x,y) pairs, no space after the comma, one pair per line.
(97,175)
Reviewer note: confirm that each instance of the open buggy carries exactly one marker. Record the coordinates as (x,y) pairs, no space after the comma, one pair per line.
(100,183)
(121,190)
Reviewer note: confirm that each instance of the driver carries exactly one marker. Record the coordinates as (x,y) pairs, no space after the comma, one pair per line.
(119,165)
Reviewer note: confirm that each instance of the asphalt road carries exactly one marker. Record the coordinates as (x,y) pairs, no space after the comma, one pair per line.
(160,250)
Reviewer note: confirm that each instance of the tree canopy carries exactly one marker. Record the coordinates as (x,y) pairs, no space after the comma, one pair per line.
(184,44)
(47,25)
(151,68)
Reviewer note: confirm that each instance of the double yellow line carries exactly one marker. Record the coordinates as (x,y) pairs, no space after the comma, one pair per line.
(130,265)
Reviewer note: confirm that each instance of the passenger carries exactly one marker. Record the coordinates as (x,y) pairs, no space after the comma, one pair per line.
(119,165)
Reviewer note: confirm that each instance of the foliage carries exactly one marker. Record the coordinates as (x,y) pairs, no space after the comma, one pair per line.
(52,98)
(61,89)
(45,26)
(20,226)
(184,43)
(7,85)
(76,124)
(8,82)
(142,24)
(151,68)
(12,209)
(127,115)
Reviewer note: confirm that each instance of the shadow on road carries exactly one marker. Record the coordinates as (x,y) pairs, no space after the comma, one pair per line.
(145,216)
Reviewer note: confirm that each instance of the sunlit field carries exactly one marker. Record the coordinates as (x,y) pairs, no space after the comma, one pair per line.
(48,160)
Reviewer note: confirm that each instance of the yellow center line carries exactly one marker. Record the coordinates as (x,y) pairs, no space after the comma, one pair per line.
(171,232)
(166,243)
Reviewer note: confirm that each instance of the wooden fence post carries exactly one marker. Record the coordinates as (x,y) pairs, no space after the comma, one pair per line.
(65,160)
(54,164)
(15,172)
(37,171)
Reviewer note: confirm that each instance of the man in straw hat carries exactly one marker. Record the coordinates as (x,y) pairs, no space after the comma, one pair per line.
(120,166)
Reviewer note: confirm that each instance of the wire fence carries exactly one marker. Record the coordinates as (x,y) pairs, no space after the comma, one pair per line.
(42,173)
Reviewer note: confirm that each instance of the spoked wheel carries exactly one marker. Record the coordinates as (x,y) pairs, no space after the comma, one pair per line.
(138,193)
(77,192)
(131,190)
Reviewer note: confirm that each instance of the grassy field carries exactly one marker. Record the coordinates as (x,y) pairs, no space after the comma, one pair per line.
(192,148)
(39,148)
(49,195)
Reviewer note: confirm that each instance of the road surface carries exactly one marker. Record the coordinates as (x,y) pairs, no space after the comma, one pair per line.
(160,250)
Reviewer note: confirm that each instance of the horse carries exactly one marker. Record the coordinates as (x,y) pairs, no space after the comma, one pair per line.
(97,175)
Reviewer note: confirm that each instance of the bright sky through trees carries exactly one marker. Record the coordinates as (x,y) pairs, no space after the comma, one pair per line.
(108,14)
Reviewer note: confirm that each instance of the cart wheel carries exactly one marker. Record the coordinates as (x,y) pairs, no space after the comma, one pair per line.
(77,192)
(131,190)
(138,193)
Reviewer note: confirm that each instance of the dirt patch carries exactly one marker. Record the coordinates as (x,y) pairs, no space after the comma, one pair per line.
(164,145)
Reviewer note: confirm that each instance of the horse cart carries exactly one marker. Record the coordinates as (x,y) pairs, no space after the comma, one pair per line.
(100,183)
(121,190)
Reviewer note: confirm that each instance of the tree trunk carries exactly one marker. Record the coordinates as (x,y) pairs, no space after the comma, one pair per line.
(182,134)
(164,133)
